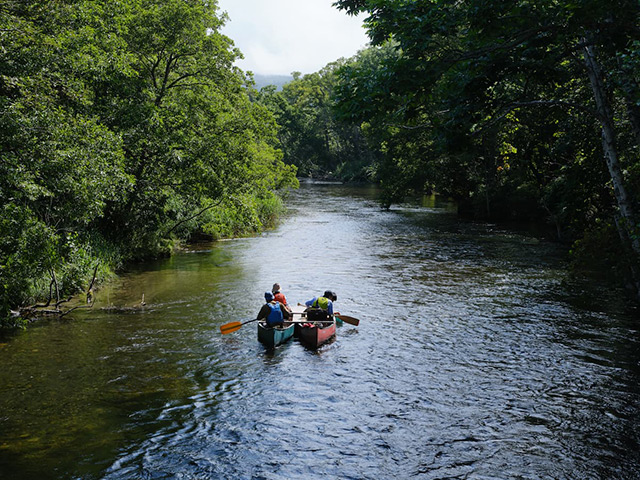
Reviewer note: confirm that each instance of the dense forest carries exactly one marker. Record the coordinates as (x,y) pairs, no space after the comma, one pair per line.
(312,135)
(519,110)
(125,129)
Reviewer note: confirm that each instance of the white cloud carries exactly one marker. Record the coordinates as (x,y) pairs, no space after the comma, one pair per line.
(282,36)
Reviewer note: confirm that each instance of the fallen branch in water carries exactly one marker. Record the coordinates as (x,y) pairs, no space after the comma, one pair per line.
(43,308)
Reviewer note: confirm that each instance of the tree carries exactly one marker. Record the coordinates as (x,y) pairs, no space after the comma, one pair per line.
(311,135)
(60,166)
(471,68)
(124,127)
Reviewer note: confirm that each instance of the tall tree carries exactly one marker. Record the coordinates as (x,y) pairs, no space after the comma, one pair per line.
(60,167)
(311,135)
(123,126)
(473,66)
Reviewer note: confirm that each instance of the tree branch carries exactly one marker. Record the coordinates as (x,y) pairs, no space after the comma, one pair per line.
(193,216)
(557,103)
(537,103)
(56,310)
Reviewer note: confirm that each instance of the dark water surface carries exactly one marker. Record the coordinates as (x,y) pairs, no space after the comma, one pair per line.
(477,357)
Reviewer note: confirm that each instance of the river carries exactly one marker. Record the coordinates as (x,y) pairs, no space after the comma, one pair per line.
(477,357)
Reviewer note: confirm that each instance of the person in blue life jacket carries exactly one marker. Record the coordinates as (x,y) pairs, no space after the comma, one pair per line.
(321,308)
(273,312)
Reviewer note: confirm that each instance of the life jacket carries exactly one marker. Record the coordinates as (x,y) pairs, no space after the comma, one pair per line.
(275,316)
(279,297)
(318,310)
(321,302)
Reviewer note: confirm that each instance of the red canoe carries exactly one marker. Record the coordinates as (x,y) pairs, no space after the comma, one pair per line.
(315,334)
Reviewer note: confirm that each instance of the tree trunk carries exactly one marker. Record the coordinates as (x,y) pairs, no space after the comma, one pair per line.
(627,226)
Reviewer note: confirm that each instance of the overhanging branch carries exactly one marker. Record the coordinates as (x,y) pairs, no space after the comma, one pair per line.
(195,215)
(537,103)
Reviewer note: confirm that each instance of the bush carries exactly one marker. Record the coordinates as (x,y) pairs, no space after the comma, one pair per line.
(600,253)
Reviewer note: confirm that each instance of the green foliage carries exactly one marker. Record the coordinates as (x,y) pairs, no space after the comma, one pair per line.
(243,215)
(311,135)
(599,252)
(492,102)
(123,124)
(28,251)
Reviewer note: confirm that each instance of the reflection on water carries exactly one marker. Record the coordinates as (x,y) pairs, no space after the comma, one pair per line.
(477,356)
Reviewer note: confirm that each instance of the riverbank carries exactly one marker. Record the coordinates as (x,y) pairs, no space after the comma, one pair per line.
(90,259)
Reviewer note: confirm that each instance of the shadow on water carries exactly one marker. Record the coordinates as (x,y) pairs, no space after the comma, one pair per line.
(477,356)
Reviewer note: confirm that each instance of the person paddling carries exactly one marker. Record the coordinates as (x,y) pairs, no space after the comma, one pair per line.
(279,296)
(273,312)
(321,308)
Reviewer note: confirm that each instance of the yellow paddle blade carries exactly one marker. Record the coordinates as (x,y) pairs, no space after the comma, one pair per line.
(230,327)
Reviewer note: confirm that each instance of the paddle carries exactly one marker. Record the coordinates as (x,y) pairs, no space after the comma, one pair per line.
(233,326)
(347,319)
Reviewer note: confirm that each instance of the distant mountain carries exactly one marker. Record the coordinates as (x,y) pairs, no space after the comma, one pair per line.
(277,80)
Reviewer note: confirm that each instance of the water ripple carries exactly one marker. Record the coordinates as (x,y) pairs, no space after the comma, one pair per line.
(477,357)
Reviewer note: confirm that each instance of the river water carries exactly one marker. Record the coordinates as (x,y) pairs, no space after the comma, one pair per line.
(477,357)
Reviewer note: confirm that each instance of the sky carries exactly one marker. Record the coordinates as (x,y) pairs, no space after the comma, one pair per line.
(278,37)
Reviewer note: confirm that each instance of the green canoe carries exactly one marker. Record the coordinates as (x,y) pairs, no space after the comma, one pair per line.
(272,337)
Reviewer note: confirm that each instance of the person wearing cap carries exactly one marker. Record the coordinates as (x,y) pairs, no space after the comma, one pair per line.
(325,303)
(279,296)
(273,312)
